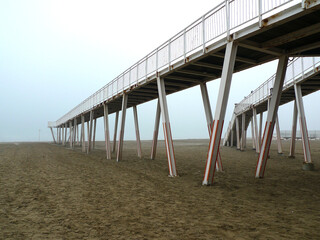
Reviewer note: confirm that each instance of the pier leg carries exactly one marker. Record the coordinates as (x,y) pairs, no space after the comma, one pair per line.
(209,118)
(90,132)
(278,136)
(231,145)
(260,129)
(88,136)
(238,133)
(65,134)
(83,141)
(54,140)
(155,132)
(115,132)
(226,76)
(70,134)
(294,130)
(166,127)
(94,133)
(78,142)
(136,125)
(106,130)
(122,125)
(253,135)
(257,134)
(243,131)
(272,114)
(308,165)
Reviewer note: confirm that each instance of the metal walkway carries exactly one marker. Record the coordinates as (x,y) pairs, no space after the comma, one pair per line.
(234,36)
(303,71)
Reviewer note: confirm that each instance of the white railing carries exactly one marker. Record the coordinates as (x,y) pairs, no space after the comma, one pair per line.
(225,19)
(297,70)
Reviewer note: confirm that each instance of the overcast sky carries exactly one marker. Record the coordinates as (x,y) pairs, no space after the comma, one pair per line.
(54,54)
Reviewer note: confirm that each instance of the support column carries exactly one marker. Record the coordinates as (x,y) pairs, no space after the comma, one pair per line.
(88,136)
(253,135)
(90,126)
(278,136)
(106,130)
(238,133)
(115,132)
(226,76)
(83,141)
(78,142)
(260,129)
(231,137)
(294,130)
(272,113)
(155,132)
(136,125)
(70,134)
(74,132)
(166,127)
(54,140)
(255,126)
(122,125)
(94,134)
(65,134)
(243,131)
(208,113)
(308,165)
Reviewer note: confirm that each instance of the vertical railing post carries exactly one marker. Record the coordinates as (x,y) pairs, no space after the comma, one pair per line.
(260,13)
(184,45)
(203,35)
(169,54)
(227,18)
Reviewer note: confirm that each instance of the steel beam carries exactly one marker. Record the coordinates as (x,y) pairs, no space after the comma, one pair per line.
(136,125)
(54,140)
(253,134)
(303,124)
(106,130)
(65,134)
(260,129)
(226,76)
(115,132)
(272,114)
(94,133)
(70,134)
(238,133)
(243,131)
(122,125)
(155,132)
(294,130)
(83,141)
(166,127)
(208,113)
(255,129)
(278,136)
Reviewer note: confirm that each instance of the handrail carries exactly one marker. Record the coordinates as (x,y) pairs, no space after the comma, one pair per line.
(216,24)
(298,69)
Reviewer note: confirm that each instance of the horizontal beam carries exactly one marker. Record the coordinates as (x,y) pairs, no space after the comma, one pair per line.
(258,47)
(238,59)
(292,36)
(208,65)
(182,79)
(203,74)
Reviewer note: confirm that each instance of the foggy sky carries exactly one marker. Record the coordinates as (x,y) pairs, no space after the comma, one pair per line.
(54,54)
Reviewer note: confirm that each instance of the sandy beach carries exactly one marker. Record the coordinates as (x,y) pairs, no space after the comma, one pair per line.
(51,192)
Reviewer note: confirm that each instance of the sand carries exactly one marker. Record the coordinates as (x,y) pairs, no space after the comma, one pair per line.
(51,192)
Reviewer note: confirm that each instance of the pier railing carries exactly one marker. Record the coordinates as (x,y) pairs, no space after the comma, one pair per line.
(298,69)
(225,19)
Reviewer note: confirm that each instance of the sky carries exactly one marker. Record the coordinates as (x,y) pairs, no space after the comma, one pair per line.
(54,54)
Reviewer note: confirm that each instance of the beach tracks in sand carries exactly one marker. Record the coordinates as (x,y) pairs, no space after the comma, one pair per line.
(50,192)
